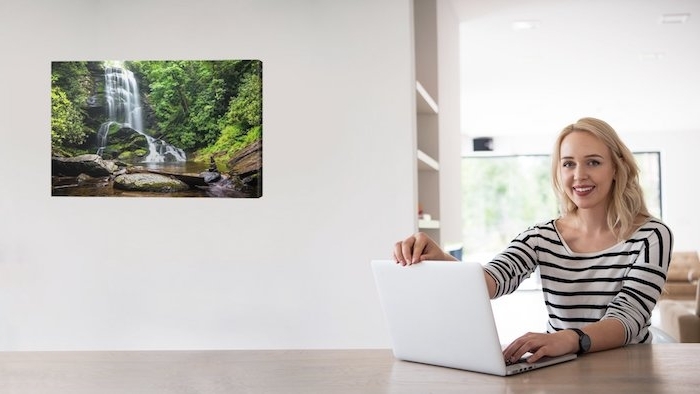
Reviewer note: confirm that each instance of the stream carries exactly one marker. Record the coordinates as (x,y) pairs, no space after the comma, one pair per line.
(102,187)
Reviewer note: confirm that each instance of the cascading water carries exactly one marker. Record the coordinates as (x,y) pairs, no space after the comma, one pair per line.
(124,109)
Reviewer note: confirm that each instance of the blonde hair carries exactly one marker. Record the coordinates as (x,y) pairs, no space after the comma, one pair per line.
(626,197)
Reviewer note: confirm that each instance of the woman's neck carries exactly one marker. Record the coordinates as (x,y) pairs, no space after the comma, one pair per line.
(586,232)
(590,221)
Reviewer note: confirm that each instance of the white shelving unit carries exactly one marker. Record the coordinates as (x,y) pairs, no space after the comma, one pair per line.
(427,118)
(426,163)
(425,104)
(428,224)
(425,107)
(437,125)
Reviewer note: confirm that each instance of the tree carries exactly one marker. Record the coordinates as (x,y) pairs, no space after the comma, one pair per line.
(206,106)
(66,121)
(70,89)
(246,108)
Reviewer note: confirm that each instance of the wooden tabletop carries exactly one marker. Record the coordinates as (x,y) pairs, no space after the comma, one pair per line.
(658,368)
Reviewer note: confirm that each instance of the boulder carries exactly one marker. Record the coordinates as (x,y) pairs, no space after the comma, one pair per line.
(149,183)
(245,169)
(92,165)
(247,160)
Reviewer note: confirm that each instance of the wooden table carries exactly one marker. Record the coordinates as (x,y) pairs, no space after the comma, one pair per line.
(662,368)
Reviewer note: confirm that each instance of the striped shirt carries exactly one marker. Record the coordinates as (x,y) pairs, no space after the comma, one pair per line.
(622,282)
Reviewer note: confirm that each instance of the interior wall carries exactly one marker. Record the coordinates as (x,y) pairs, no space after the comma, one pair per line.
(450,135)
(288,270)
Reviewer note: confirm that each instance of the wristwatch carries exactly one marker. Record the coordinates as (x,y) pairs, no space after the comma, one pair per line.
(584,341)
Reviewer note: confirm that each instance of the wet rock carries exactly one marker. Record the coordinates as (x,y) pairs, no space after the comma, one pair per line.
(246,169)
(92,165)
(149,182)
(210,177)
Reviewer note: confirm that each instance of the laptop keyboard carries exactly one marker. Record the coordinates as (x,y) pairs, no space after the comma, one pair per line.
(522,360)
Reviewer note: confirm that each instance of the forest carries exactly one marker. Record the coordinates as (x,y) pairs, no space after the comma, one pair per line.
(206,109)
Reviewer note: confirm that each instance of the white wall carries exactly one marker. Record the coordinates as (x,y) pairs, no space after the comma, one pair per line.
(450,135)
(288,270)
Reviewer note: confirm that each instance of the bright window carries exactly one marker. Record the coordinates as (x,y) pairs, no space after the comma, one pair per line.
(504,195)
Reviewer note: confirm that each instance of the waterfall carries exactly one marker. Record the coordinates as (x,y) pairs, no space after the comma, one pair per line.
(124,108)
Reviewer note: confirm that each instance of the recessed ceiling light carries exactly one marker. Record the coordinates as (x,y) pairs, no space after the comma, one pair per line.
(651,56)
(525,25)
(671,19)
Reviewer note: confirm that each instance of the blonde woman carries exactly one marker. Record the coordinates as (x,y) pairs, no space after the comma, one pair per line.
(603,262)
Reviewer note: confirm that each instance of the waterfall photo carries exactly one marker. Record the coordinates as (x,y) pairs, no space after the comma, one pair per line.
(170,128)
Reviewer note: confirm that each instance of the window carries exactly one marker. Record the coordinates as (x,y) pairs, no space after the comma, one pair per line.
(504,195)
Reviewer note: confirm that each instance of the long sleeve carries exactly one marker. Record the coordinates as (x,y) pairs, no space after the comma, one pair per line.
(644,281)
(519,260)
(622,282)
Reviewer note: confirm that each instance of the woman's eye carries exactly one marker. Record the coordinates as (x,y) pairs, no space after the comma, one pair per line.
(594,163)
(568,164)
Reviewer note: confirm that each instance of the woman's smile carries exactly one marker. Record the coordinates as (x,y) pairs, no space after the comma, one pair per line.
(583,191)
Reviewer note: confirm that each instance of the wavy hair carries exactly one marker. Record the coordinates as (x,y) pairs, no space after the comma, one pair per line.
(626,201)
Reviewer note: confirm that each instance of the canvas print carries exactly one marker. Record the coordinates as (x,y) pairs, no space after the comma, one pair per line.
(187,128)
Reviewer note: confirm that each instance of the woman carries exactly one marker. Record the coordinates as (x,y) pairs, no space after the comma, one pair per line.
(603,262)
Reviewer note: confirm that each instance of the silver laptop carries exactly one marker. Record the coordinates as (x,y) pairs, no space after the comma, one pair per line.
(439,313)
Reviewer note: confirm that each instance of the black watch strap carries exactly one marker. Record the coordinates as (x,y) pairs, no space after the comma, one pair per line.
(584,341)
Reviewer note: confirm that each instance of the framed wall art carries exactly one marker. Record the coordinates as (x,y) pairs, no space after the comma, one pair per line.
(172,128)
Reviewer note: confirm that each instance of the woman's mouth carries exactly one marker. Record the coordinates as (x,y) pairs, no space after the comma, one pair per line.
(583,190)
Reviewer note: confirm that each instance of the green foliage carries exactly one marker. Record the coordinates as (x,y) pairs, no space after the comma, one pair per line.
(66,120)
(503,196)
(74,79)
(227,140)
(193,100)
(70,89)
(246,108)
(199,106)
(232,139)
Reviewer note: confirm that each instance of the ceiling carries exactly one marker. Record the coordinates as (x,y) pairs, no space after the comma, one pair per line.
(611,59)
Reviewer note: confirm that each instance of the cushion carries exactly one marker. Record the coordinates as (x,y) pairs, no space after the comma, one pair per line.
(683,266)
(679,320)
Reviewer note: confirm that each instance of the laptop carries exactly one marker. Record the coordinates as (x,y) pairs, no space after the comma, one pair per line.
(439,313)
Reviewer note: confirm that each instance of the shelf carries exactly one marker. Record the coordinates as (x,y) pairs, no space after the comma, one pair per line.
(428,224)
(429,122)
(427,163)
(424,102)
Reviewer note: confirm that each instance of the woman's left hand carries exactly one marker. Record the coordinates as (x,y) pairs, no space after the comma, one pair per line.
(540,345)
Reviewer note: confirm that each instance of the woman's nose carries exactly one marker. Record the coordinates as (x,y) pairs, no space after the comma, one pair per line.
(580,173)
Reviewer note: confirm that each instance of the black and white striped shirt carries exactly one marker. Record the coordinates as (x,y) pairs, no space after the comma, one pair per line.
(622,282)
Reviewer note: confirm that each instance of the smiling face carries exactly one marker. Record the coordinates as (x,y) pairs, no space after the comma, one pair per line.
(586,170)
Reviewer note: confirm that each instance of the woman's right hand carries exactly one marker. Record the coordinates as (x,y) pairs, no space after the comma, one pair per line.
(418,247)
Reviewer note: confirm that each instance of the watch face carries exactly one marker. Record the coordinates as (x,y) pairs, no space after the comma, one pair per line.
(585,343)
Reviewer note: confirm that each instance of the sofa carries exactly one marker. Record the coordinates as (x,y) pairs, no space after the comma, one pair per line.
(679,307)
(682,276)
